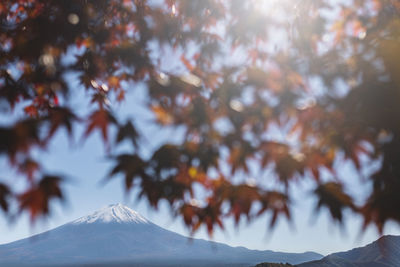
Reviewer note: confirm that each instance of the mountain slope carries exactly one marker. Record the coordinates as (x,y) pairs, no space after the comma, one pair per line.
(384,252)
(117,233)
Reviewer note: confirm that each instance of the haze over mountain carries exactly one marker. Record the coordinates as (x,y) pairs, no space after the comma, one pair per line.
(119,234)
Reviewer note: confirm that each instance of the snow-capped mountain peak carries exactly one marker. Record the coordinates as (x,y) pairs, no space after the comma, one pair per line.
(115,213)
(117,233)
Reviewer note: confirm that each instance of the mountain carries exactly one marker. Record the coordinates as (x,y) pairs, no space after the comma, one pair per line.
(118,234)
(384,252)
(266,264)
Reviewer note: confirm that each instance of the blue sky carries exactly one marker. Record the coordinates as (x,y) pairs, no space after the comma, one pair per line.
(85,165)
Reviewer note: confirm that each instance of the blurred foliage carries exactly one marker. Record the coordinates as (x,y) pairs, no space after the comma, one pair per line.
(326,73)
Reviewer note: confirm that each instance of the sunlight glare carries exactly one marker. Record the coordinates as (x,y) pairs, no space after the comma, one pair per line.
(269,6)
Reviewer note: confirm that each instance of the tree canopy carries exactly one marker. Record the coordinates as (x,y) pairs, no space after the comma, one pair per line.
(294,87)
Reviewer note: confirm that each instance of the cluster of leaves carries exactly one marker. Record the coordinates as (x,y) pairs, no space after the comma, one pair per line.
(323,73)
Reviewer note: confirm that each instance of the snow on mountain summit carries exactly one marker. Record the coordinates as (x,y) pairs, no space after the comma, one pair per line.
(113,213)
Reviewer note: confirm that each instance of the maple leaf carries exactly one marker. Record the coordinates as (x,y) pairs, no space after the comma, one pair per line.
(332,196)
(5,193)
(29,167)
(100,119)
(128,131)
(59,116)
(36,199)
(131,166)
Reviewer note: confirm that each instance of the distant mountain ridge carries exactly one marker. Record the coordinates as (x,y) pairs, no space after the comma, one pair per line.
(384,252)
(118,234)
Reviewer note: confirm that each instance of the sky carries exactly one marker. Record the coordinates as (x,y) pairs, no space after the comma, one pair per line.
(85,164)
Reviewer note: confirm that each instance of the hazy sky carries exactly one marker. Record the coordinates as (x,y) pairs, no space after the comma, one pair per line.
(85,164)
